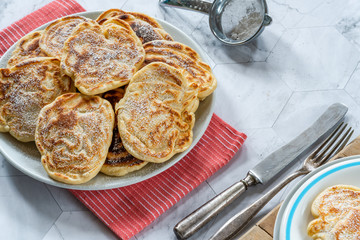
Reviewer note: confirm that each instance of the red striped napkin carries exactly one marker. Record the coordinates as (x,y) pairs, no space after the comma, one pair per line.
(128,210)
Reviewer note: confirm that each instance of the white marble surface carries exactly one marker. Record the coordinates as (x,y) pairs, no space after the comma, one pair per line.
(271,89)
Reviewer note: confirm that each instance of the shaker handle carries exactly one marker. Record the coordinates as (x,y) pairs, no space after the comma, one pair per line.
(195,5)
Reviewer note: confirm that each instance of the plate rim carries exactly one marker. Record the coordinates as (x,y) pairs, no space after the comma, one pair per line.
(279,227)
(206,121)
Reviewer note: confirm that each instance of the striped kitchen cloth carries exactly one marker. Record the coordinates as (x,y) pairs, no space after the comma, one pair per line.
(128,210)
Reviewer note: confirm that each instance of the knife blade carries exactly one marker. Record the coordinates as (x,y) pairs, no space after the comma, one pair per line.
(278,160)
(263,171)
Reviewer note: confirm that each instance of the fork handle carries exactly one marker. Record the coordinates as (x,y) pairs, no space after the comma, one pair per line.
(235,224)
(201,216)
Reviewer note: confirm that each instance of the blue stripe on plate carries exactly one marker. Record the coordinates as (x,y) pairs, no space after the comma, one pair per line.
(307,188)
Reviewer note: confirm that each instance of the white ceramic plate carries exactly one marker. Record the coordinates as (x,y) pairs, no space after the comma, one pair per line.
(26,158)
(294,214)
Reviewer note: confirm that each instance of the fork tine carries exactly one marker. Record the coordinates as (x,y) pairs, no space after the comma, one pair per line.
(338,146)
(326,141)
(331,141)
(346,141)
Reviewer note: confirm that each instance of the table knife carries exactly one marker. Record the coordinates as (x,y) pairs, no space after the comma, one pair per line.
(263,172)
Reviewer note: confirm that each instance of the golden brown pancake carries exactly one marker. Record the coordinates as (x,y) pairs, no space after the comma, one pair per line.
(73,135)
(337,214)
(156,115)
(54,35)
(102,58)
(182,57)
(145,27)
(27,47)
(118,161)
(26,88)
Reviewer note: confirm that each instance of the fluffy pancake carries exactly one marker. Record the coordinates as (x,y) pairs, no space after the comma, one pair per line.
(54,35)
(27,47)
(102,58)
(156,115)
(118,161)
(337,213)
(145,27)
(73,135)
(183,57)
(26,88)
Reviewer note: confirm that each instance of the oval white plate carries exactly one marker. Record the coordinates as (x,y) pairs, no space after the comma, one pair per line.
(294,214)
(26,158)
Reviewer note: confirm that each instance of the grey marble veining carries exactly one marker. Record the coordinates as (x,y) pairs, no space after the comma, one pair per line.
(271,89)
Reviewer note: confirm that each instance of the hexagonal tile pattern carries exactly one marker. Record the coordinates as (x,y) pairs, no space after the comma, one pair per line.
(258,92)
(29,207)
(66,199)
(307,59)
(350,27)
(256,51)
(304,108)
(353,86)
(53,234)
(6,169)
(288,12)
(83,225)
(304,6)
(329,13)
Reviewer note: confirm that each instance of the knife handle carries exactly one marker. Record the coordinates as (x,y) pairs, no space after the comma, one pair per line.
(197,219)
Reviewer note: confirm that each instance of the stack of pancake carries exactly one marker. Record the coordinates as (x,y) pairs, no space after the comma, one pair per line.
(109,95)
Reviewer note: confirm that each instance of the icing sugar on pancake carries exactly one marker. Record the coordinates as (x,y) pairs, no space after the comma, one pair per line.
(337,214)
(156,115)
(145,27)
(26,88)
(102,58)
(118,161)
(73,135)
(54,35)
(27,47)
(183,57)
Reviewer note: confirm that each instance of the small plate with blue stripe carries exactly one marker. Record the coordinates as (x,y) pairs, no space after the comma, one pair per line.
(294,214)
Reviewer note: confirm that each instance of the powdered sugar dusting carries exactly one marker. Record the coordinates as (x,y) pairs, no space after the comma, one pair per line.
(339,213)
(98,63)
(33,84)
(57,33)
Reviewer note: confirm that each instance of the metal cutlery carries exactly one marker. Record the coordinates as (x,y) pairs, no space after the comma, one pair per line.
(332,145)
(263,171)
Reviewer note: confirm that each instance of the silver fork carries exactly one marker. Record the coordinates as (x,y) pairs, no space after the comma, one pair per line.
(331,146)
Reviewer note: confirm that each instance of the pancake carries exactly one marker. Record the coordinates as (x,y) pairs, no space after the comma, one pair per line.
(337,213)
(73,135)
(26,88)
(118,161)
(183,57)
(156,115)
(27,47)
(102,58)
(145,27)
(54,35)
